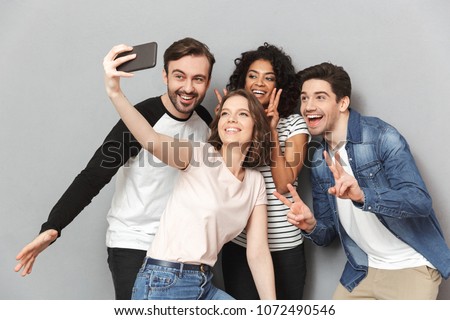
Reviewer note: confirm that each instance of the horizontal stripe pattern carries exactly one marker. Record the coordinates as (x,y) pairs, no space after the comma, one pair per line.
(281,234)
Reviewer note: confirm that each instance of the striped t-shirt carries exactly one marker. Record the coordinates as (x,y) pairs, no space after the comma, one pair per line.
(282,235)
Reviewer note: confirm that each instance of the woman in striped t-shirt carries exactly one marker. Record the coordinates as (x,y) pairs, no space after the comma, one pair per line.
(269,74)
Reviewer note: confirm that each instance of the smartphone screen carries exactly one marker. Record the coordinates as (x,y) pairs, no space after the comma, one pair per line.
(145,57)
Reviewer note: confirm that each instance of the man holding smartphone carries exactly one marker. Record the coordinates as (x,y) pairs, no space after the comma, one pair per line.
(143,183)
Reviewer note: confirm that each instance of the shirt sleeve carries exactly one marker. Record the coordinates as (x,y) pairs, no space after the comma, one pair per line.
(262,194)
(116,149)
(297,125)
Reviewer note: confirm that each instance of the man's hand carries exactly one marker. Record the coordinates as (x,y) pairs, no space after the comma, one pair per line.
(346,186)
(29,253)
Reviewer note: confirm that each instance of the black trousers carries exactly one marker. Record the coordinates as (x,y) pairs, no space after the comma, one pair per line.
(124,265)
(289,267)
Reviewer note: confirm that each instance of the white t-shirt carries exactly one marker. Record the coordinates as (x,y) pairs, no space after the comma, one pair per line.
(384,249)
(208,207)
(144,184)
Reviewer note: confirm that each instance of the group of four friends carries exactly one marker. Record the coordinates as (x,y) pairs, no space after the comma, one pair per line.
(189,187)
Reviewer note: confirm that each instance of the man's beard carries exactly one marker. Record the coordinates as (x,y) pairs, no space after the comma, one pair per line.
(180,107)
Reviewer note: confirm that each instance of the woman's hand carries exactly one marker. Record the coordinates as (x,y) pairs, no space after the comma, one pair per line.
(110,64)
(219,98)
(272,108)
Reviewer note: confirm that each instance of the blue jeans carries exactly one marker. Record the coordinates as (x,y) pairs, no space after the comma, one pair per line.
(157,282)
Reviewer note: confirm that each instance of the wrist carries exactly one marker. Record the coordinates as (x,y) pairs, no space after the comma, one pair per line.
(311,227)
(361,198)
(274,134)
(114,94)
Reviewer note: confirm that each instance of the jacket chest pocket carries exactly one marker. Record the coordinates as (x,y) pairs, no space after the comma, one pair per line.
(370,175)
(322,185)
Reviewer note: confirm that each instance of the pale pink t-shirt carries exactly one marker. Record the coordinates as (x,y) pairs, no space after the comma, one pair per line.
(208,207)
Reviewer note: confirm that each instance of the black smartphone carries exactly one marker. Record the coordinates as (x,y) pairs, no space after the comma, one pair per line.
(145,57)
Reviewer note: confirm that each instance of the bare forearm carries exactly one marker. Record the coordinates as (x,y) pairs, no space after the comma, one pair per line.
(135,122)
(282,172)
(286,167)
(175,153)
(261,267)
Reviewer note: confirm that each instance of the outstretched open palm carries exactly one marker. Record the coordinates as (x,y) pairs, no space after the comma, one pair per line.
(27,256)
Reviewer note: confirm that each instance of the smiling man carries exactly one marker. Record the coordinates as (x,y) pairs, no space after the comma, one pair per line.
(368,192)
(143,183)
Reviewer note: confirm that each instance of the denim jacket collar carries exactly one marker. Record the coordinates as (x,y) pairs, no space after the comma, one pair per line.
(354,127)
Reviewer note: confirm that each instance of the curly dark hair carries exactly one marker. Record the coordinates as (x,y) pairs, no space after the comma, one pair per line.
(284,71)
(258,153)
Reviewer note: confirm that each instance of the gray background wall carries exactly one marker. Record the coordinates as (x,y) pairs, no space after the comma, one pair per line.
(54,111)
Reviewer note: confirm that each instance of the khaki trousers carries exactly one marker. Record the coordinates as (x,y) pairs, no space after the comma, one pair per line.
(421,283)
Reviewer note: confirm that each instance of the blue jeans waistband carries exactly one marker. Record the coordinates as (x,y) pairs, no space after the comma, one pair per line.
(177,265)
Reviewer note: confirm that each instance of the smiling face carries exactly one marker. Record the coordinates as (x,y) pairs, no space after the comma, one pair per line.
(323,114)
(187,81)
(235,123)
(261,80)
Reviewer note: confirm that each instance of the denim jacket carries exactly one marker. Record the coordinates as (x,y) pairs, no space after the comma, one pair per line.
(394,191)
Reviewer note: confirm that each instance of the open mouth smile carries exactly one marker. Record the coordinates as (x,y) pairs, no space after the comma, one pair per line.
(232,130)
(259,92)
(314,119)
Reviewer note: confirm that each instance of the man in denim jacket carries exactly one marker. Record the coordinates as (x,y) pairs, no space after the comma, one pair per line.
(368,191)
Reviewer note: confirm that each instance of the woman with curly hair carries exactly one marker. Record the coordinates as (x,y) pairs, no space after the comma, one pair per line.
(269,74)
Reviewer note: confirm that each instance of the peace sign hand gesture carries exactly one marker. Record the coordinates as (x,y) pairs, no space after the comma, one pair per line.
(346,186)
(219,98)
(299,214)
(272,108)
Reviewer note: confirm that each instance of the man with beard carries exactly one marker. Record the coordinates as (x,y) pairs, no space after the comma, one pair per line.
(143,182)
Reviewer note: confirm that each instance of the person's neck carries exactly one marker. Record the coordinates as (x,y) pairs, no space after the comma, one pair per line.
(234,158)
(171,108)
(338,135)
